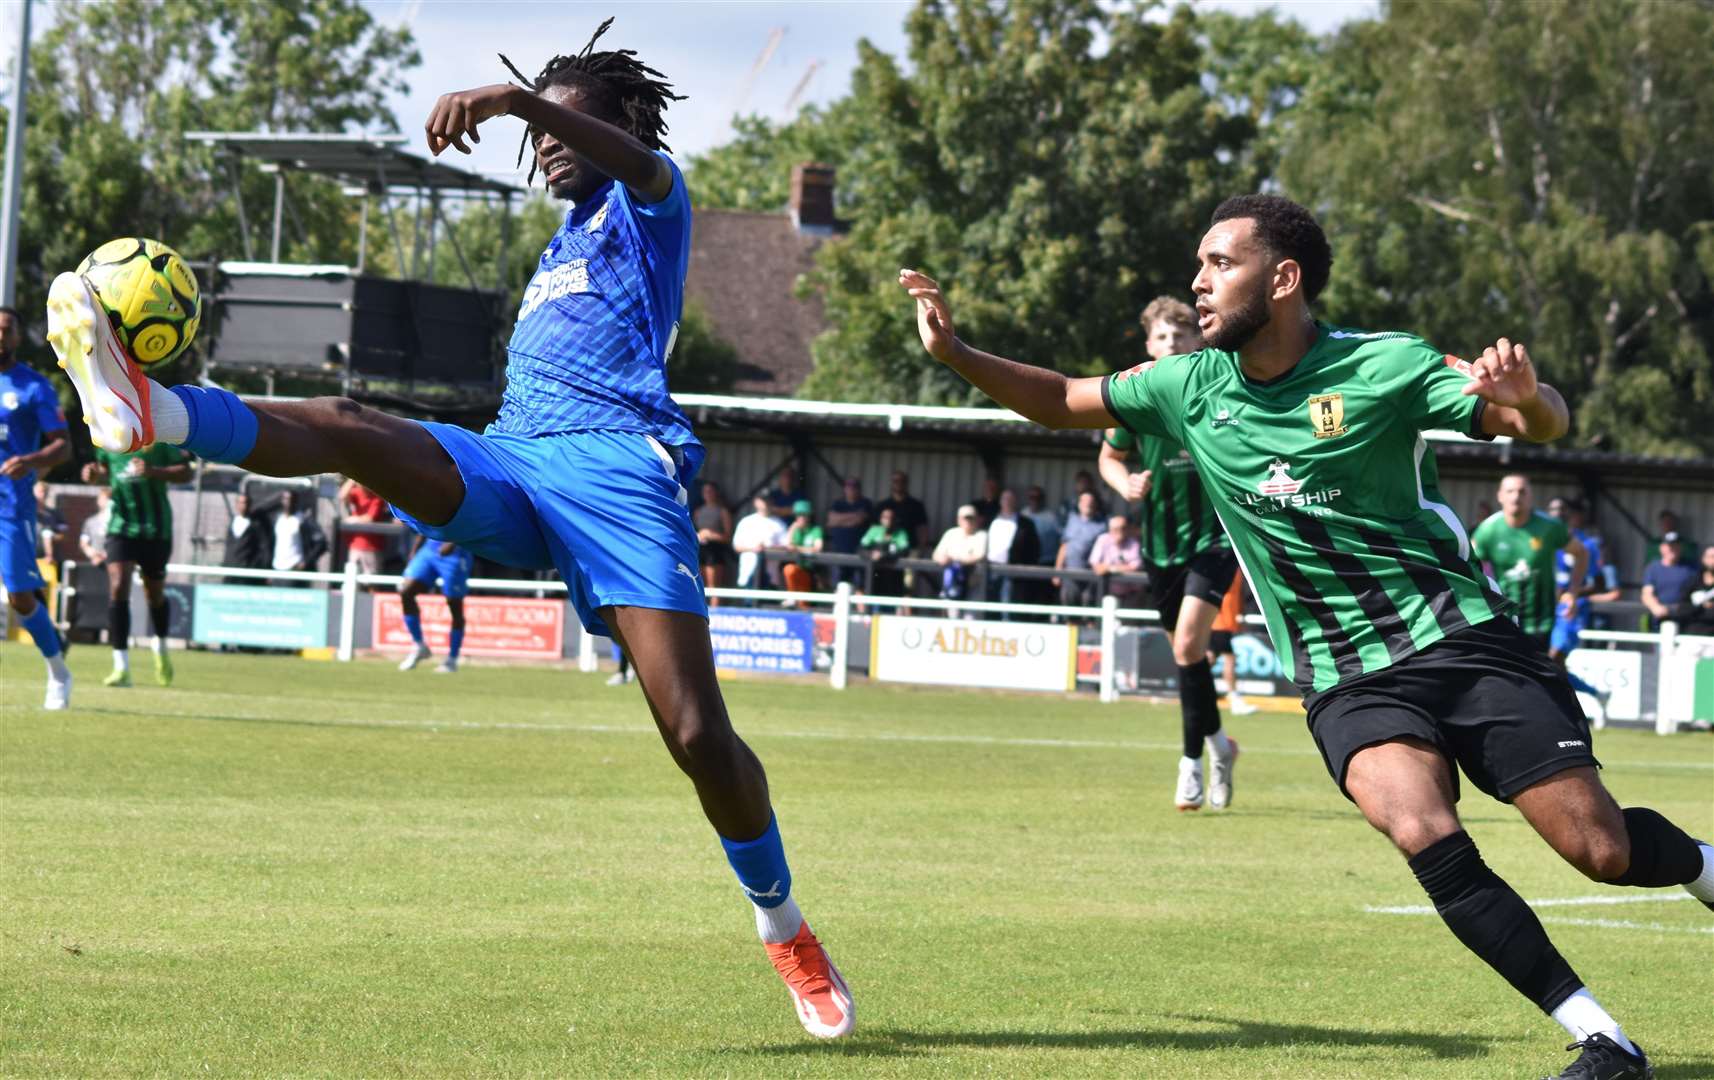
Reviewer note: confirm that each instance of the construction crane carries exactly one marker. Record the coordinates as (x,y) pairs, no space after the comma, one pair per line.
(775,36)
(802,85)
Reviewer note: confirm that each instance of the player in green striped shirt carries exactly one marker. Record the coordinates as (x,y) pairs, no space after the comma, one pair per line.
(1189,560)
(139,534)
(1309,437)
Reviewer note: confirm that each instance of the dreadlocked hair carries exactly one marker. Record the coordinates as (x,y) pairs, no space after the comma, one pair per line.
(633,90)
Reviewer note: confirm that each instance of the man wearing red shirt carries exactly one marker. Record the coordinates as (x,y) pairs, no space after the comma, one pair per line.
(363,506)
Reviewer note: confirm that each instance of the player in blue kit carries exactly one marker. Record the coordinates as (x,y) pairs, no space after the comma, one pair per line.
(449,566)
(32,437)
(586,468)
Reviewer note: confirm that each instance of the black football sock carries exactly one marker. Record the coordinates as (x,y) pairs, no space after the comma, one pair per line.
(158,619)
(119,624)
(1661,853)
(1493,921)
(1199,703)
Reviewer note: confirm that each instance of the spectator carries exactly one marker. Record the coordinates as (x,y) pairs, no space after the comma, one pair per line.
(847,520)
(1116,551)
(92,538)
(713,523)
(1082,484)
(363,507)
(1668,520)
(50,523)
(1077,537)
(987,504)
(1011,539)
(785,494)
(1667,583)
(1696,613)
(884,543)
(908,511)
(755,533)
(1046,522)
(961,547)
(298,540)
(806,538)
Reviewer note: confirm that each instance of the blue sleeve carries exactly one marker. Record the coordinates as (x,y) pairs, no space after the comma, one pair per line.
(1650,577)
(665,223)
(49,417)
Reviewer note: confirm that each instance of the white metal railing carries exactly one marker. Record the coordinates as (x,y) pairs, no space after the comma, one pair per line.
(1670,645)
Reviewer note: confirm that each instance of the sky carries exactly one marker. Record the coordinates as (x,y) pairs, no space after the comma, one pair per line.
(707,47)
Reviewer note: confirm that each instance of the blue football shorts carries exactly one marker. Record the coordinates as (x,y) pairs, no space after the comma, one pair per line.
(428,566)
(606,509)
(18,571)
(1567,632)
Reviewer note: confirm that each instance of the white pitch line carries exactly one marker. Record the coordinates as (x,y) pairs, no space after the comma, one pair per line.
(1621,924)
(1661,897)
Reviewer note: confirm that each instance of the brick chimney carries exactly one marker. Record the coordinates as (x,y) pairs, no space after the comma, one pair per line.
(812,198)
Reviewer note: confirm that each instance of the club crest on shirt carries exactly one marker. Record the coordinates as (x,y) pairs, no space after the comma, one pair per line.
(598,220)
(9,400)
(1327,415)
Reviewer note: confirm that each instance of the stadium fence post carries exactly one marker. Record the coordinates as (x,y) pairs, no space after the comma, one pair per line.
(586,660)
(348,611)
(841,634)
(1109,648)
(1665,717)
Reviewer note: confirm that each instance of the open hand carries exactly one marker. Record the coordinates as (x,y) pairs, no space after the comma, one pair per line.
(934,314)
(455,116)
(1503,375)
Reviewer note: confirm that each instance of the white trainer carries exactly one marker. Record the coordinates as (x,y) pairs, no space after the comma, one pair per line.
(416,656)
(112,387)
(1189,796)
(449,666)
(59,693)
(1220,782)
(1238,706)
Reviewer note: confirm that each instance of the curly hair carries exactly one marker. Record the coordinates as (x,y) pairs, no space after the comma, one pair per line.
(1170,310)
(622,85)
(1288,231)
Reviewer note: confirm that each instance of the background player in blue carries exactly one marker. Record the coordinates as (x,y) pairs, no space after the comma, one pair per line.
(1600,586)
(32,437)
(587,466)
(432,562)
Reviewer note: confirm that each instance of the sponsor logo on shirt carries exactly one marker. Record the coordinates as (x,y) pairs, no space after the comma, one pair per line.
(1278,483)
(1280,490)
(9,399)
(1223,418)
(1519,572)
(563,280)
(1327,415)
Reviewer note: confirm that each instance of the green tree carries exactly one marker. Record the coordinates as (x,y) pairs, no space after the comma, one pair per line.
(1535,170)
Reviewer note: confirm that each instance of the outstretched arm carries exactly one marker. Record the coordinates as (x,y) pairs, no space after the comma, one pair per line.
(1518,404)
(615,152)
(1047,397)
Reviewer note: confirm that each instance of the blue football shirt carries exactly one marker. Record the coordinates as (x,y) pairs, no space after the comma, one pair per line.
(29,409)
(598,321)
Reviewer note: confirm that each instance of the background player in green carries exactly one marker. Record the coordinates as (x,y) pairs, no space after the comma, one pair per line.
(139,534)
(1189,561)
(1519,543)
(1310,438)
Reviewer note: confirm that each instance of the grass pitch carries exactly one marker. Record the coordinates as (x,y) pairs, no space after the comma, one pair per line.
(281,867)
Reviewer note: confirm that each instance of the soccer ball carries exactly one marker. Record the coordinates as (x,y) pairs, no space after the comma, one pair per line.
(149,294)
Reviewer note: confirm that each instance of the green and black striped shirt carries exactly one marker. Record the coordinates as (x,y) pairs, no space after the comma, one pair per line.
(1179,522)
(1329,492)
(140,507)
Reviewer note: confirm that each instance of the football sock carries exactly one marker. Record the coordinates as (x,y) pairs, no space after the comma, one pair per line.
(119,626)
(169,414)
(1661,853)
(778,925)
(1582,1016)
(158,622)
(1493,921)
(217,425)
(1222,745)
(1199,704)
(1579,684)
(158,644)
(121,660)
(455,642)
(414,623)
(42,632)
(1702,887)
(763,875)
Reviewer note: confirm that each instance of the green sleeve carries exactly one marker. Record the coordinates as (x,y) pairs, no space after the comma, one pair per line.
(1427,385)
(1145,399)
(1121,439)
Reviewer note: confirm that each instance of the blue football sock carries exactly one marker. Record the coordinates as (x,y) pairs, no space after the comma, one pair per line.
(222,428)
(761,866)
(42,631)
(456,643)
(1579,684)
(414,623)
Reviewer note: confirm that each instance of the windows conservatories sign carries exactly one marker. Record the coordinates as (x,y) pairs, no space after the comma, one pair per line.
(961,652)
(782,643)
